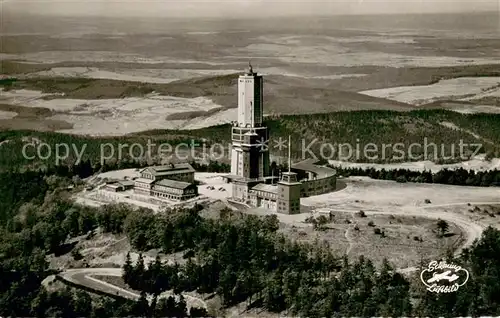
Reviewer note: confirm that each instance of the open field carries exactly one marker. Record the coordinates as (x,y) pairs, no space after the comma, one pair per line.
(109,116)
(158,76)
(7,115)
(366,40)
(405,239)
(110,79)
(110,107)
(463,88)
(194,103)
(478,163)
(388,205)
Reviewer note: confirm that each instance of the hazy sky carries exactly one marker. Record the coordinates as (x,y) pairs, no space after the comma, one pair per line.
(234,8)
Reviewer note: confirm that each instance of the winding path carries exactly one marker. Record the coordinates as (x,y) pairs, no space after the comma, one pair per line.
(349,240)
(83,277)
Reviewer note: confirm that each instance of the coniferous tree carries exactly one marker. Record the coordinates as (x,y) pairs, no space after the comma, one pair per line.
(128,270)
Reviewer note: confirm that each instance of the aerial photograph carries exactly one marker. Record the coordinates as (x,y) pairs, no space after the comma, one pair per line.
(249,158)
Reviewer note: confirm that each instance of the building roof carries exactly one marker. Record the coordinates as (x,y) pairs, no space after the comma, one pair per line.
(126,183)
(266,188)
(169,169)
(237,178)
(173,184)
(142,180)
(309,165)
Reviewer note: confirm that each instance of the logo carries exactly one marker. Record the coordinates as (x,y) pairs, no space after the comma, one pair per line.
(443,277)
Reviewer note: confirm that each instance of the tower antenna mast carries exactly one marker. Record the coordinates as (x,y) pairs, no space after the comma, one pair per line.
(272,176)
(289,153)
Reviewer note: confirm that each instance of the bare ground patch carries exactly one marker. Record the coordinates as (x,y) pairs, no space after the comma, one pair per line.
(34,124)
(404,241)
(283,95)
(31,118)
(193,114)
(27,112)
(488,214)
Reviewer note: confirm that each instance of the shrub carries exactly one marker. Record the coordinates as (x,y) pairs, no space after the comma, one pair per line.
(321,220)
(361,214)
(189,254)
(76,254)
(371,223)
(401,179)
(377,231)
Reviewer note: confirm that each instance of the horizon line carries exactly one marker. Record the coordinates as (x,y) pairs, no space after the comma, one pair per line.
(243,17)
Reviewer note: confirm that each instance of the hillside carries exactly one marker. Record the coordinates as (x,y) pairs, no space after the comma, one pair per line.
(356,128)
(283,95)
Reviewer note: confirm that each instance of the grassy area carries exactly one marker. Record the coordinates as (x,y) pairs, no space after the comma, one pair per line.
(15,68)
(404,240)
(284,95)
(409,76)
(489,100)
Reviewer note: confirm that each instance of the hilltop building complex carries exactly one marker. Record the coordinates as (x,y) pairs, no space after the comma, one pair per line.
(252,182)
(250,173)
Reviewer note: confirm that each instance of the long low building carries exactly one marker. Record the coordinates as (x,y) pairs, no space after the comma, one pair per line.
(173,182)
(179,171)
(174,190)
(315,179)
(118,186)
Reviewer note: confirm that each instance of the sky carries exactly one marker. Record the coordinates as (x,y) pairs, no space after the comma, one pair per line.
(236,8)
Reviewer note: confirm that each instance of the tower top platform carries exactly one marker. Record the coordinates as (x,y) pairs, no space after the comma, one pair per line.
(250,71)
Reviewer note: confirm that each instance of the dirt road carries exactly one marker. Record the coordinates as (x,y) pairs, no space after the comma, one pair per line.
(84,277)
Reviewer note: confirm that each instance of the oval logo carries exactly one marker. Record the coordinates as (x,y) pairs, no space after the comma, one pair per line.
(441,277)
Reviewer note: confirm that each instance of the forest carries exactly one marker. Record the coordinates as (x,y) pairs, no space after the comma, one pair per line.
(244,259)
(440,127)
(38,218)
(458,176)
(241,258)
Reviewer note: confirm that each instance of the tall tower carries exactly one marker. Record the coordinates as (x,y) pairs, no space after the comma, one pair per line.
(249,155)
(289,188)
